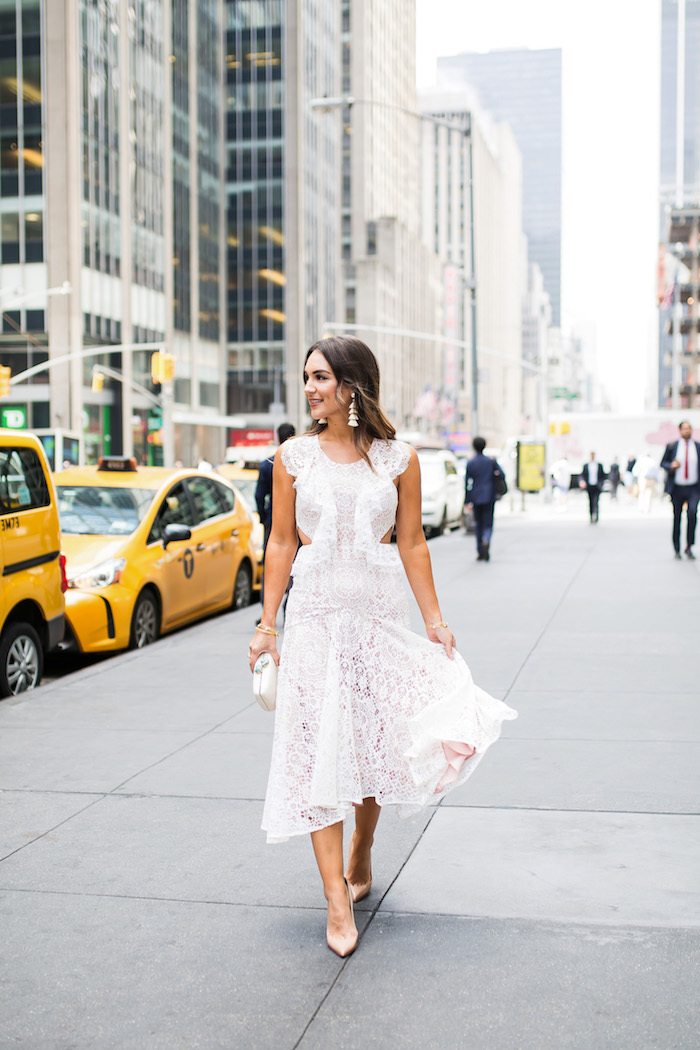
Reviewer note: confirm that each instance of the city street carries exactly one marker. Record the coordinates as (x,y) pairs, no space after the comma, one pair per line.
(551,902)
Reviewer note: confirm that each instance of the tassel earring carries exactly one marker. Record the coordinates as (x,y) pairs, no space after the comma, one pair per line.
(352,413)
(322,421)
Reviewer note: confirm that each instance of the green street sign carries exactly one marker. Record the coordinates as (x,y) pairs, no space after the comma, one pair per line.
(13,417)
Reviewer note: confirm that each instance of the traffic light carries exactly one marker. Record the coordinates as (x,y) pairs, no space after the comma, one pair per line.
(5,373)
(98,382)
(156,366)
(162,367)
(168,367)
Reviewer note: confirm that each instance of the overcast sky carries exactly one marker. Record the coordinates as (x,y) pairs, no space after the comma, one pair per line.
(610,156)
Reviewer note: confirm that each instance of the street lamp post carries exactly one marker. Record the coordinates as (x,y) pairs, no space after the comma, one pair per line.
(24,297)
(339,102)
(167,392)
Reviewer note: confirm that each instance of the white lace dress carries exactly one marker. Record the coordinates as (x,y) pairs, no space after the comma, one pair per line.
(365,707)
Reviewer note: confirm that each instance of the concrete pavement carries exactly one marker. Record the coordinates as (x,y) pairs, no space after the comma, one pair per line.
(552,902)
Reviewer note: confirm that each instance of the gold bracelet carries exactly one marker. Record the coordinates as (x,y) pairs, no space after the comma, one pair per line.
(434,626)
(267,630)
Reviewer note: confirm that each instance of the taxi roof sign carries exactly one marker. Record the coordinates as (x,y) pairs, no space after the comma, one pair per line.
(116,464)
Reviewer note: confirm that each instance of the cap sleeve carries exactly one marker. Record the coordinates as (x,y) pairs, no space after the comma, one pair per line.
(293,455)
(400,459)
(391,456)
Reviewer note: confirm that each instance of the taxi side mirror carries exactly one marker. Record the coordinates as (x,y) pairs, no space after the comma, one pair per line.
(172,533)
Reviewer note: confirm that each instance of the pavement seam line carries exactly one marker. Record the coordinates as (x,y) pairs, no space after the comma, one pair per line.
(361,936)
(564,595)
(48,831)
(165,758)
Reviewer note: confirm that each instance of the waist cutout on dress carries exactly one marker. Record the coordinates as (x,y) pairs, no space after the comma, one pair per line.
(375,556)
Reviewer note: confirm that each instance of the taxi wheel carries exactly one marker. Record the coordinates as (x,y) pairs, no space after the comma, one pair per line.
(145,622)
(21,659)
(242,588)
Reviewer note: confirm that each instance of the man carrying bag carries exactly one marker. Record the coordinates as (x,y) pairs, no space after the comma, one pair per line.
(485,483)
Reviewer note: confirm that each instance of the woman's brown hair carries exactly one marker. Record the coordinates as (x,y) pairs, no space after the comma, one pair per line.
(356,369)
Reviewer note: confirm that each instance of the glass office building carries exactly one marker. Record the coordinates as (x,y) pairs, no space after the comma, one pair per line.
(255,200)
(282,188)
(23,338)
(197,201)
(112,181)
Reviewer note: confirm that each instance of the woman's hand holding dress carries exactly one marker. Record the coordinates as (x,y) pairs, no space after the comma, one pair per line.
(413,549)
(445,637)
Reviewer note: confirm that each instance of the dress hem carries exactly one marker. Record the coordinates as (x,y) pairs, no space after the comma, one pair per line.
(405,809)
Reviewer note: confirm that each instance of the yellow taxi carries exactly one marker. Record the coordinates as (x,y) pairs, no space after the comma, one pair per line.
(245,482)
(149,549)
(31,563)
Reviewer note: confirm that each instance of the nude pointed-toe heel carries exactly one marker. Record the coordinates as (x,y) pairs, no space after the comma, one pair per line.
(360,890)
(343,944)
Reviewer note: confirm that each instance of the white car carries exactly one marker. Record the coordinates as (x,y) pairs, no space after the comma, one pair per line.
(442,490)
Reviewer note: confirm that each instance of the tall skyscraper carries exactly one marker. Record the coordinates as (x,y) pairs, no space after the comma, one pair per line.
(680,199)
(680,102)
(111,180)
(523,87)
(393,280)
(486,154)
(283,186)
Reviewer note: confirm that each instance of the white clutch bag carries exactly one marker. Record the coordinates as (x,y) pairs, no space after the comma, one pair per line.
(265,682)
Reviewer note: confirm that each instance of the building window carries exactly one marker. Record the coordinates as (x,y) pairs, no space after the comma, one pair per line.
(10,237)
(33,237)
(9,156)
(35,321)
(11,321)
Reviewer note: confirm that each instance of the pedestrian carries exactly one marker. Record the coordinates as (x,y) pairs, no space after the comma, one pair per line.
(646,474)
(480,492)
(629,480)
(561,476)
(680,461)
(263,493)
(368,712)
(615,478)
(592,478)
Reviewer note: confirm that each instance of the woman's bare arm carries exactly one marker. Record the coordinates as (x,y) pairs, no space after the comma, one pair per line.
(415,556)
(281,548)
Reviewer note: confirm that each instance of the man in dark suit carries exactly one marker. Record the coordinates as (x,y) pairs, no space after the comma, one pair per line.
(480,474)
(592,478)
(681,461)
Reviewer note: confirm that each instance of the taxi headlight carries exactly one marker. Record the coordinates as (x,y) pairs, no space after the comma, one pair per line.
(101,575)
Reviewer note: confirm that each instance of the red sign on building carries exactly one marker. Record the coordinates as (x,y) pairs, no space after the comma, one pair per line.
(248,436)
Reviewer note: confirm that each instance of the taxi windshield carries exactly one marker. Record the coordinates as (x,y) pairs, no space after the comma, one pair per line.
(246,487)
(97,510)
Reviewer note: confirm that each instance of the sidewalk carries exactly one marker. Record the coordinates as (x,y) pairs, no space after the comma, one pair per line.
(552,902)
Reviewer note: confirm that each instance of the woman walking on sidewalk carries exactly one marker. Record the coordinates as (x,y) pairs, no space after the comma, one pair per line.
(368,713)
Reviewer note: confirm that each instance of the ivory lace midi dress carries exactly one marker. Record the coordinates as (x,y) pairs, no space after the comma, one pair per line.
(365,707)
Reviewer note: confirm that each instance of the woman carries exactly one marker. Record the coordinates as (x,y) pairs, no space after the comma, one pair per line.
(368,713)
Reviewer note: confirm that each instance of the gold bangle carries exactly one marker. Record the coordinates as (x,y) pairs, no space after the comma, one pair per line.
(434,626)
(267,630)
